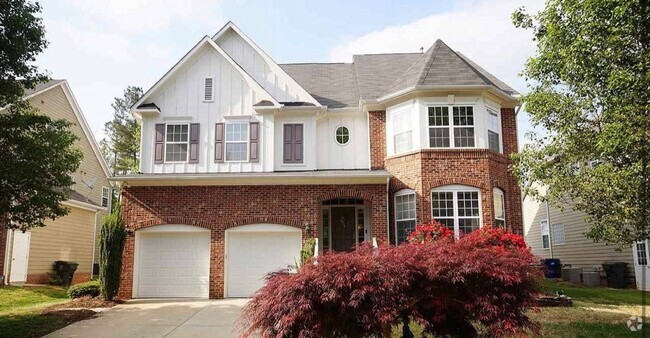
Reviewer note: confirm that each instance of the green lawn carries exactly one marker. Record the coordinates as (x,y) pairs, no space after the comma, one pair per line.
(21,307)
(597,312)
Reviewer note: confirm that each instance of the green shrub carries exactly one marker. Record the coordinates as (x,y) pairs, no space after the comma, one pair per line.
(84,289)
(307,251)
(111,242)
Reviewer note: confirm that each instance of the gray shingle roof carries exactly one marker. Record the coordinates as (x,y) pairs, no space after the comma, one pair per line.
(331,84)
(372,76)
(41,86)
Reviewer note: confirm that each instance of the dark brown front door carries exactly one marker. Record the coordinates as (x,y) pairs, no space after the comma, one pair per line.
(343,228)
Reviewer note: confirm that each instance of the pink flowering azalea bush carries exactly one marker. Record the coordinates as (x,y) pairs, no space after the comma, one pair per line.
(430,232)
(446,286)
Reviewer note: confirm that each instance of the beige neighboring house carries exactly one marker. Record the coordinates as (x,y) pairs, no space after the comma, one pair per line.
(555,233)
(29,256)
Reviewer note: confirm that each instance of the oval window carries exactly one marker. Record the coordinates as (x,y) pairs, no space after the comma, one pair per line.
(342,135)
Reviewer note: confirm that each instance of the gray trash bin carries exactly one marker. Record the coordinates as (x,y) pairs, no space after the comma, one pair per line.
(572,275)
(591,278)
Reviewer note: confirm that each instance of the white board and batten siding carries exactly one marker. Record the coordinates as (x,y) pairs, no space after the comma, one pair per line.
(181,100)
(354,154)
(269,75)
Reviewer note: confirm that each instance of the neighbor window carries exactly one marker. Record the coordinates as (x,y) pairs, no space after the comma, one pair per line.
(457,207)
(342,135)
(404,214)
(106,197)
(499,209)
(403,131)
(176,142)
(237,142)
(558,234)
(641,253)
(494,138)
(458,127)
(546,241)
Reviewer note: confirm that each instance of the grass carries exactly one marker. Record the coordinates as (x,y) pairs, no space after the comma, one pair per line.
(597,312)
(21,310)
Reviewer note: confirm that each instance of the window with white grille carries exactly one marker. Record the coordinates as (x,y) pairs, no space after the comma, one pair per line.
(546,240)
(558,234)
(451,131)
(499,208)
(494,131)
(457,207)
(404,214)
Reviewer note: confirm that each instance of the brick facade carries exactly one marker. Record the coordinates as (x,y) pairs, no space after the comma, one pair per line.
(3,251)
(377,130)
(221,207)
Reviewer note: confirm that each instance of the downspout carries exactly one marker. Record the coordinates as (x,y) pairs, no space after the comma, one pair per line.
(550,229)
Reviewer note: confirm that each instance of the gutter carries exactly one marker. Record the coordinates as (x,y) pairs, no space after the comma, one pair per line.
(415,88)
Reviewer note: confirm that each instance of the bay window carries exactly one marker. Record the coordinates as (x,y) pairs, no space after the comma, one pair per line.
(494,130)
(403,131)
(458,127)
(457,207)
(405,217)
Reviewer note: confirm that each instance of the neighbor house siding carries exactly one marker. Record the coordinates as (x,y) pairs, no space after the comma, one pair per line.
(578,250)
(68,238)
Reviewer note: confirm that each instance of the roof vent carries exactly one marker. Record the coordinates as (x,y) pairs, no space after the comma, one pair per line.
(209,89)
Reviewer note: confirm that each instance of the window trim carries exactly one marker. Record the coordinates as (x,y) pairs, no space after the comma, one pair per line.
(548,233)
(212,94)
(495,192)
(404,192)
(225,141)
(499,130)
(454,189)
(451,126)
(336,134)
(108,197)
(187,157)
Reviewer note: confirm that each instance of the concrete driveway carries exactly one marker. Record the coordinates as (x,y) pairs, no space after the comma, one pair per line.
(161,318)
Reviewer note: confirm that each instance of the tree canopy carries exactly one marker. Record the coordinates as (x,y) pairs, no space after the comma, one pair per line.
(589,90)
(22,37)
(121,147)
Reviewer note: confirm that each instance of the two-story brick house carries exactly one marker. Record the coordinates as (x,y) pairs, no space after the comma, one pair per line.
(242,160)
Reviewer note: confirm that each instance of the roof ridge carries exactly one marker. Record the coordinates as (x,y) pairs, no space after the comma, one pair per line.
(316,63)
(395,53)
(436,46)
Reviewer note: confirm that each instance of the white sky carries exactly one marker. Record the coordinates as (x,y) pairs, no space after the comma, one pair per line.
(101,47)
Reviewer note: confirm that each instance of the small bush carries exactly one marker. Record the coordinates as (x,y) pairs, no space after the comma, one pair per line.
(84,289)
(431,232)
(446,286)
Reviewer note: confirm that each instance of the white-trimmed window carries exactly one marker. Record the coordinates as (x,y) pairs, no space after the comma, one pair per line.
(106,197)
(458,207)
(558,234)
(208,89)
(177,142)
(546,239)
(641,253)
(458,127)
(405,217)
(237,142)
(499,208)
(403,131)
(494,130)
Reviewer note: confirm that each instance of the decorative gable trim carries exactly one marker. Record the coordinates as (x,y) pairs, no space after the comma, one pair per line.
(275,67)
(205,40)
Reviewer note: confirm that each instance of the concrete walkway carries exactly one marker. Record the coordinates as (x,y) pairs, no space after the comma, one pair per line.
(161,318)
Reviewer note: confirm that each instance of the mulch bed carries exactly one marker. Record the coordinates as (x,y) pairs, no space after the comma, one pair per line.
(554,301)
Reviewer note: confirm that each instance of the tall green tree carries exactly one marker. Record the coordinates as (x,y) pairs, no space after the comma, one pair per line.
(22,37)
(589,90)
(37,153)
(121,147)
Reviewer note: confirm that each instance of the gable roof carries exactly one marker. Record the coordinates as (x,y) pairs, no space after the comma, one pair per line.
(332,84)
(376,72)
(267,59)
(46,86)
(206,40)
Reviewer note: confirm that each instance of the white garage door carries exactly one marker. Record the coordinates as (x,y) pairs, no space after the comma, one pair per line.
(255,250)
(173,264)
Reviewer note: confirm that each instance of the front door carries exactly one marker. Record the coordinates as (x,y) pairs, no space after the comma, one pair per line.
(343,228)
(19,257)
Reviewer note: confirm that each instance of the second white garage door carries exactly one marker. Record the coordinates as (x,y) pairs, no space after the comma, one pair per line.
(172,263)
(253,251)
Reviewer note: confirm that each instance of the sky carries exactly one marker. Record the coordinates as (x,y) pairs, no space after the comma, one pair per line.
(103,46)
